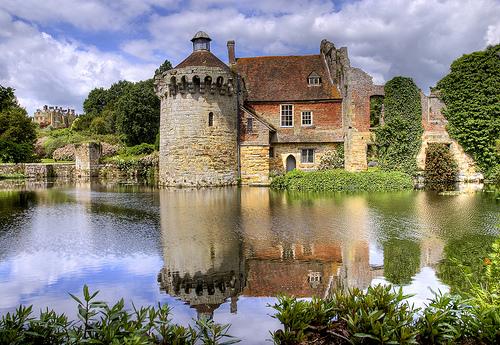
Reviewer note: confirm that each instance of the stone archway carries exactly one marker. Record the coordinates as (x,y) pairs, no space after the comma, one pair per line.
(291,163)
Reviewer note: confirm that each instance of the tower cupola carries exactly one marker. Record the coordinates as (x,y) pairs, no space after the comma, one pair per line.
(201,41)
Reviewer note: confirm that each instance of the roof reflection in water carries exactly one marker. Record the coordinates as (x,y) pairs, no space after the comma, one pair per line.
(218,244)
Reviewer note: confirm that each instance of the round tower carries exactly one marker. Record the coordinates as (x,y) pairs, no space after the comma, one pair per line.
(198,120)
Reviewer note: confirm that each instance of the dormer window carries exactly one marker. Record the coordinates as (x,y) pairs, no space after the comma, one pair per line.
(314,79)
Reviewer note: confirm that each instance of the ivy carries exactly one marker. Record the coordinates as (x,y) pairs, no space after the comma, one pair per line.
(441,169)
(399,139)
(471,92)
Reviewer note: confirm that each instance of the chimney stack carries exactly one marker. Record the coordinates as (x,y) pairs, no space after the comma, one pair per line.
(230,52)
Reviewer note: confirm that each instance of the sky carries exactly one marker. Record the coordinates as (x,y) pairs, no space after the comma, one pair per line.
(55,51)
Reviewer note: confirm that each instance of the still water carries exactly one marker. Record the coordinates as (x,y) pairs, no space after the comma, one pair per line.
(227,252)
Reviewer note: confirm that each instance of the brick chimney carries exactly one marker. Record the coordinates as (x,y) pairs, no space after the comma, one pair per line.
(230,52)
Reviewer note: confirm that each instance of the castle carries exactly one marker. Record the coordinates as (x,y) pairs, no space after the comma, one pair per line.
(221,124)
(57,117)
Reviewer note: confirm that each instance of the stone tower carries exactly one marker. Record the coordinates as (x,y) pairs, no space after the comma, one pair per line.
(198,121)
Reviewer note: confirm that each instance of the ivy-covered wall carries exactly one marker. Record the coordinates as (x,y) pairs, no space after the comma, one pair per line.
(399,139)
(471,92)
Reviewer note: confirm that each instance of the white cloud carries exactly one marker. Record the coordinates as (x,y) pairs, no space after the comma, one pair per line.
(44,70)
(417,38)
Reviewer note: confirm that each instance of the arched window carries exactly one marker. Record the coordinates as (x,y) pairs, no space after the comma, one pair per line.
(210,119)
(220,81)
(314,79)
(196,83)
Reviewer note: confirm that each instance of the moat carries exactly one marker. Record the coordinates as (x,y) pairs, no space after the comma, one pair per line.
(227,252)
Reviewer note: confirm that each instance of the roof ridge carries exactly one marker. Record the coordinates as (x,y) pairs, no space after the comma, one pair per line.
(276,56)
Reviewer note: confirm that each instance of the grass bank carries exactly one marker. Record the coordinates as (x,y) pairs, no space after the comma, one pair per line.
(343,181)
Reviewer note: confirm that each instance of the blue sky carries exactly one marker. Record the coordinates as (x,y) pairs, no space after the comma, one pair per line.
(55,51)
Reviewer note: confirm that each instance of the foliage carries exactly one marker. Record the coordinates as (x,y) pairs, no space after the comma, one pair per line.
(376,106)
(7,98)
(441,169)
(100,126)
(165,66)
(138,113)
(100,323)
(332,159)
(399,138)
(401,260)
(137,150)
(494,175)
(17,131)
(342,181)
(471,92)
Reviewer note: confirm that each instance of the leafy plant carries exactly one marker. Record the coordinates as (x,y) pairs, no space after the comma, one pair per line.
(441,169)
(332,159)
(342,181)
(471,92)
(399,139)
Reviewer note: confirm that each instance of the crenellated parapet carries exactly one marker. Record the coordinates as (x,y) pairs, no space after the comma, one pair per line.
(202,80)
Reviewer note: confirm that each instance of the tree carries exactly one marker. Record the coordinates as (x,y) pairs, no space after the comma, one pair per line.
(95,102)
(17,131)
(138,113)
(165,66)
(471,92)
(7,98)
(399,139)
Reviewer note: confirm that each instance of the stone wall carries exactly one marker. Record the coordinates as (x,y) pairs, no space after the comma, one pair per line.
(282,151)
(254,166)
(193,152)
(11,169)
(356,145)
(87,156)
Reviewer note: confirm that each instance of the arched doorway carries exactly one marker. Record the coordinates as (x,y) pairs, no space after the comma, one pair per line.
(290,163)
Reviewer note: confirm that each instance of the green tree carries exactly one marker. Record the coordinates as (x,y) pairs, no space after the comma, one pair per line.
(17,131)
(7,98)
(441,169)
(399,139)
(471,92)
(165,66)
(138,113)
(95,102)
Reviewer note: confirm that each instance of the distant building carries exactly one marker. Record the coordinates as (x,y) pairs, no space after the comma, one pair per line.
(56,117)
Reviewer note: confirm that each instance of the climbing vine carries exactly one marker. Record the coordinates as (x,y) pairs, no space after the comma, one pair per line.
(399,138)
(471,92)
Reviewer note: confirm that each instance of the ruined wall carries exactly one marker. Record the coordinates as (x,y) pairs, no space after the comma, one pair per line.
(87,156)
(434,124)
(193,153)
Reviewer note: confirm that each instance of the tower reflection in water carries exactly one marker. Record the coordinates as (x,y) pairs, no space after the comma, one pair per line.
(219,244)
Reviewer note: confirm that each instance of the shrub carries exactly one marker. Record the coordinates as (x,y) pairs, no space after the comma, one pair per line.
(343,181)
(141,149)
(332,159)
(494,175)
(441,169)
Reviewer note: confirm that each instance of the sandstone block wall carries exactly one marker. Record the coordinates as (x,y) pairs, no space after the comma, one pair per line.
(254,166)
(282,151)
(355,150)
(193,152)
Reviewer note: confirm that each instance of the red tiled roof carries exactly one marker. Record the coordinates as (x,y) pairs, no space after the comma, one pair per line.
(284,78)
(202,58)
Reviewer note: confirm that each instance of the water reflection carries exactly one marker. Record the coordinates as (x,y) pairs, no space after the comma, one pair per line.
(226,253)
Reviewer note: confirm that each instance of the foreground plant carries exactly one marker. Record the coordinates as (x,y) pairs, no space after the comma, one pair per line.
(383,315)
(100,323)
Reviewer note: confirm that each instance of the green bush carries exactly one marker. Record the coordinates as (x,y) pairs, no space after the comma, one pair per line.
(100,323)
(137,150)
(441,169)
(332,159)
(399,139)
(494,175)
(471,92)
(343,181)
